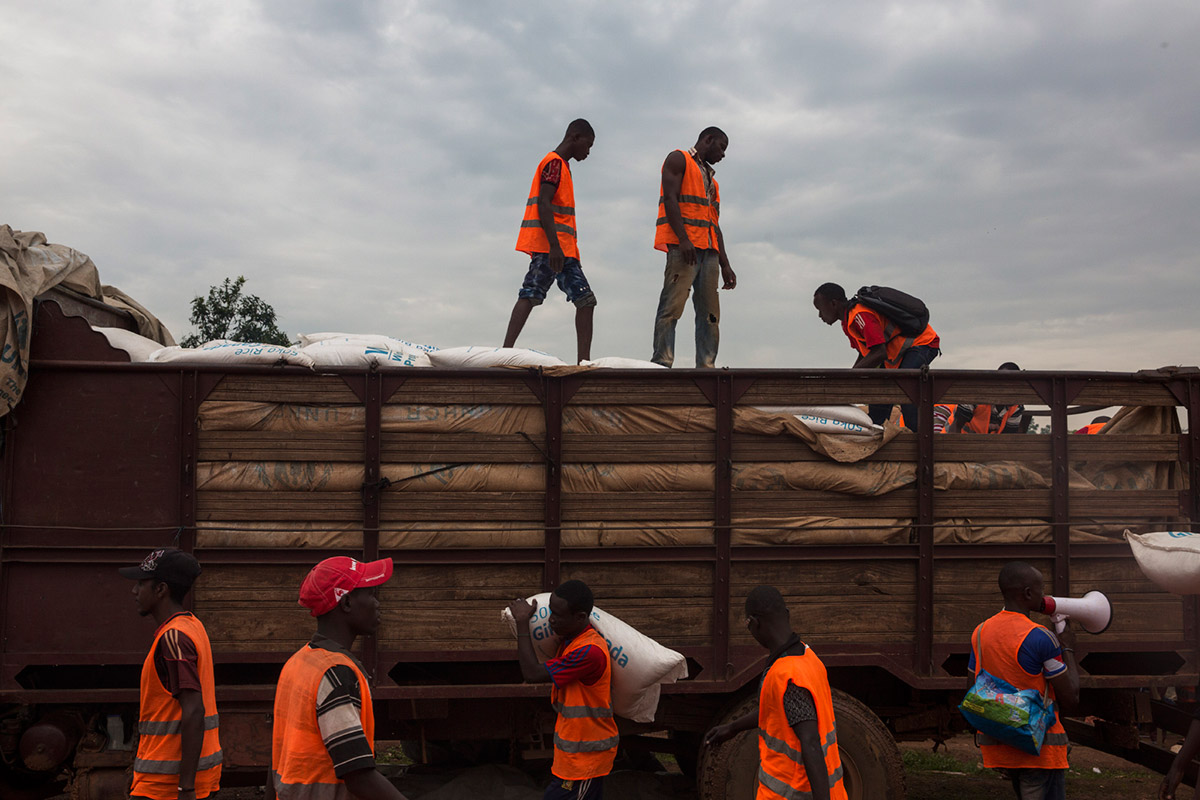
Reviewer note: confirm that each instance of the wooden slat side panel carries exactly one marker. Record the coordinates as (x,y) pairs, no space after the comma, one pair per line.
(754,448)
(666,506)
(822,392)
(270,506)
(464,447)
(281,446)
(452,507)
(251,608)
(452,607)
(1124,393)
(503,389)
(583,448)
(307,389)
(634,392)
(991,392)
(833,601)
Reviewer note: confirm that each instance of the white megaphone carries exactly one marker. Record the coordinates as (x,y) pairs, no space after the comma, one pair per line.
(1092,611)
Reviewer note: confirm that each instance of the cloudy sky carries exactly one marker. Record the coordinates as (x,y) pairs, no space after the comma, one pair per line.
(1030,168)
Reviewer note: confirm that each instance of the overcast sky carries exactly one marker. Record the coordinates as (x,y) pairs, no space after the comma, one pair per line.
(1029,168)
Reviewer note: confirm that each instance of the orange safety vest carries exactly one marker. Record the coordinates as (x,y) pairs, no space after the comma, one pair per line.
(897,343)
(300,764)
(699,215)
(160,720)
(981,420)
(532,239)
(781,772)
(1000,641)
(585,736)
(1092,428)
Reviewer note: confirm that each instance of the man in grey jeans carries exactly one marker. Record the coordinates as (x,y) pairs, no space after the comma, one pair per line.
(688,209)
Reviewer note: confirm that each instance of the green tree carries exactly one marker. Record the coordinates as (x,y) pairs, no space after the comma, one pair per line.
(227,313)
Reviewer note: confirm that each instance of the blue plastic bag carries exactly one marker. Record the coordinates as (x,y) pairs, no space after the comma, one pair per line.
(1016,718)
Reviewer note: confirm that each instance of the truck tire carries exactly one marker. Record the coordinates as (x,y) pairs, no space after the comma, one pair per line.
(871,763)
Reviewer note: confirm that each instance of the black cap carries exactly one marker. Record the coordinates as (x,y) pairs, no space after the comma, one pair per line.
(168,565)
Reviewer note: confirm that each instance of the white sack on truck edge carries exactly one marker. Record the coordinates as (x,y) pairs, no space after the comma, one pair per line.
(1171,559)
(639,664)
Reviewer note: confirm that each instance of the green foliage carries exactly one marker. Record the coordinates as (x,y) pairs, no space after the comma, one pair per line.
(227,313)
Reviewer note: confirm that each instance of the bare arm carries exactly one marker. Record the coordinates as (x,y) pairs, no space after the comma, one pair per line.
(809,735)
(1066,684)
(191,740)
(720,733)
(874,357)
(369,784)
(672,186)
(1182,759)
(727,273)
(532,671)
(545,207)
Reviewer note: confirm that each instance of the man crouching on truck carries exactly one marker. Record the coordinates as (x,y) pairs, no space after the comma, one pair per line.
(179,748)
(585,735)
(797,735)
(323,743)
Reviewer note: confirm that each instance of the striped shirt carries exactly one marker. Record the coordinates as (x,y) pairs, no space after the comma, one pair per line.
(339,714)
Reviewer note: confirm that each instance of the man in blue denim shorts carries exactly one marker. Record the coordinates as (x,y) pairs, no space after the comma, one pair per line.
(549,236)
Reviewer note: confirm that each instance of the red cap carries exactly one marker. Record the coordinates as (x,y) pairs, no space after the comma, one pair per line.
(334,578)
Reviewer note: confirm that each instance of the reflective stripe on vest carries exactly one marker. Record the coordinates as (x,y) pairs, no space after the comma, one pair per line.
(585,733)
(172,767)
(577,712)
(698,214)
(532,237)
(783,790)
(310,791)
(298,754)
(1000,638)
(590,746)
(157,763)
(172,726)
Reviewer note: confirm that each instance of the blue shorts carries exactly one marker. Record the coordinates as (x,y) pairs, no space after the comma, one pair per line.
(571,280)
(589,789)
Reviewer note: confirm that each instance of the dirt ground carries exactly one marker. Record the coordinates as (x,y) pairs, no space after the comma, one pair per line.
(954,772)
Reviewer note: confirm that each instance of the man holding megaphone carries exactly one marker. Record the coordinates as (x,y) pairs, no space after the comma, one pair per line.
(1016,649)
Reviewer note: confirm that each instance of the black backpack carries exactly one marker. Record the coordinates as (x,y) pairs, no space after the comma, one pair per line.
(907,312)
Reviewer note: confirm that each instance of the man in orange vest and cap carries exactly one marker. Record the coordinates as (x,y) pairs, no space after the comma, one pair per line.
(986,418)
(550,238)
(585,735)
(879,342)
(323,743)
(797,734)
(688,231)
(179,749)
(1016,649)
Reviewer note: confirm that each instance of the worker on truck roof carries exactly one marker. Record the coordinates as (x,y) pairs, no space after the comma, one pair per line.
(323,742)
(1014,648)
(585,734)
(797,734)
(879,342)
(179,747)
(550,237)
(987,418)
(689,232)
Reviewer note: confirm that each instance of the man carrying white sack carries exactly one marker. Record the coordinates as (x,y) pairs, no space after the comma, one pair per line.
(585,735)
